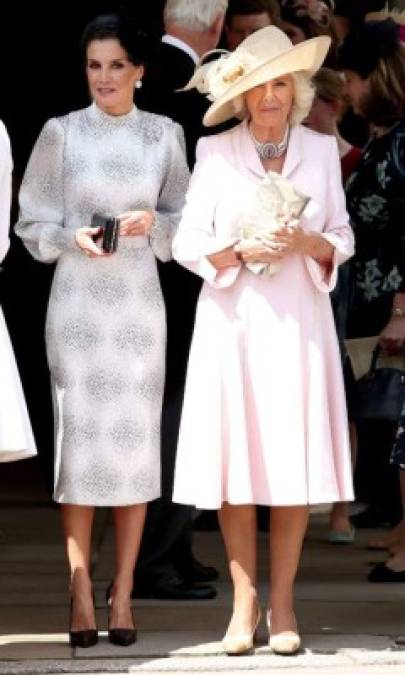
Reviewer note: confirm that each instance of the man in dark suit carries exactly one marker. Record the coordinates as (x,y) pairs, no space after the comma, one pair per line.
(166,566)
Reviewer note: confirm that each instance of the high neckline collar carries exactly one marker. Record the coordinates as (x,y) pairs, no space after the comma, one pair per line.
(99,114)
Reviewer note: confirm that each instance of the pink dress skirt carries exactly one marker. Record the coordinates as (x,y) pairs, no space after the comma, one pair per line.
(264,418)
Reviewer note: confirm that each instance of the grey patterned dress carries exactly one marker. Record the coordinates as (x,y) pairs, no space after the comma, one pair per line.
(105,328)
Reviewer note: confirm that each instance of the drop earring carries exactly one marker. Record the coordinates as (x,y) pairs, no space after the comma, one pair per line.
(138,84)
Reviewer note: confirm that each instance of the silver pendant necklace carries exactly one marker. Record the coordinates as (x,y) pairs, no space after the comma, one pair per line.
(270,150)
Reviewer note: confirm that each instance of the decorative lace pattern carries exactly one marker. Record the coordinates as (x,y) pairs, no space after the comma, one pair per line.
(105,327)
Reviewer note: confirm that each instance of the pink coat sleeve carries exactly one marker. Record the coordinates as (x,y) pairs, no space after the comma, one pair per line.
(337,229)
(196,237)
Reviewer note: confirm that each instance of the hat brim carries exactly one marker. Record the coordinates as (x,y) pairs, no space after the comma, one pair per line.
(306,56)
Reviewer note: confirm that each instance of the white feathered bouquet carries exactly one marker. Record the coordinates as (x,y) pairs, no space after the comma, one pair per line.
(275,201)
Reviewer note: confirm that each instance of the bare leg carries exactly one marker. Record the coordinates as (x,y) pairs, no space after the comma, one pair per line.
(339,517)
(77,524)
(397,562)
(239,530)
(129,522)
(288,525)
(389,540)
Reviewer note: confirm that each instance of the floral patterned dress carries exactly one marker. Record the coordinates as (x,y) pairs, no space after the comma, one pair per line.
(398,451)
(376,204)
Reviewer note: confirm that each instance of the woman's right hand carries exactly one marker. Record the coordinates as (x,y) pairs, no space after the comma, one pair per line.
(234,255)
(225,258)
(85,241)
(260,252)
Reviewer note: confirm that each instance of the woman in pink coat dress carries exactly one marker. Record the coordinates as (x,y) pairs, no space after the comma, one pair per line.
(264,418)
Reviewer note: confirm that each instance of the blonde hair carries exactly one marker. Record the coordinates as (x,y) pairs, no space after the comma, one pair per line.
(329,85)
(304,94)
(198,15)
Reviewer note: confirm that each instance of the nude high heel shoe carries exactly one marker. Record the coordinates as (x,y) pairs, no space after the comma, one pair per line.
(285,643)
(235,645)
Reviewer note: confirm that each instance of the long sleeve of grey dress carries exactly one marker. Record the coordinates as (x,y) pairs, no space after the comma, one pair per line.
(105,328)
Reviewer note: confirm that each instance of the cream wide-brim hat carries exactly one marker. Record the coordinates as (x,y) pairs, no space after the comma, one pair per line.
(266,54)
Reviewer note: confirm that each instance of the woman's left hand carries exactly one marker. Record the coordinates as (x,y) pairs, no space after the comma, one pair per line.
(291,239)
(392,338)
(136,223)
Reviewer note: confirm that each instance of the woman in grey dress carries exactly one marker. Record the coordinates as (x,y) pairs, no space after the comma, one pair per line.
(105,329)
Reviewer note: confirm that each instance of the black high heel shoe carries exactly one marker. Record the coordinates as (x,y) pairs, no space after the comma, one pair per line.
(81,638)
(122,637)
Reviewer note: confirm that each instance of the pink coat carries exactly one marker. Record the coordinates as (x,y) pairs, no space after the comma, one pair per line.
(264,418)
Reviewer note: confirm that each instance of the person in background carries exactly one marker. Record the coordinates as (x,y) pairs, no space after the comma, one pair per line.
(16,437)
(342,19)
(305,19)
(373,61)
(190,30)
(244,17)
(394,568)
(348,14)
(105,327)
(326,112)
(167,567)
(328,107)
(394,541)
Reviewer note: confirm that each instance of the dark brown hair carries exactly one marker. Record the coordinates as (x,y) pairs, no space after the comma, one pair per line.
(385,104)
(245,7)
(135,42)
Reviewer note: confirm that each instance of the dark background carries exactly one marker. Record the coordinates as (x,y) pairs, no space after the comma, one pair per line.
(42,76)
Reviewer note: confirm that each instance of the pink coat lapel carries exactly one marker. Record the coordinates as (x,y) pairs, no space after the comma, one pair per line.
(294,152)
(251,160)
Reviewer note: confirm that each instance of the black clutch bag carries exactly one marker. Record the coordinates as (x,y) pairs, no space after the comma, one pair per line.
(111,230)
(379,393)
